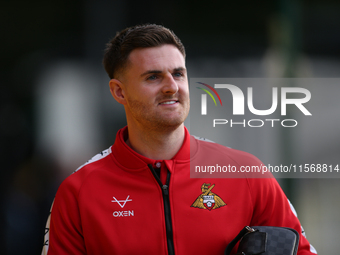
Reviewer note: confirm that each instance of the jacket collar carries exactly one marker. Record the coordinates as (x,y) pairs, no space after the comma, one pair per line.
(133,160)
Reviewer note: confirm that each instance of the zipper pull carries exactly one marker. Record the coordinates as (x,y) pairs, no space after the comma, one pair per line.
(250,229)
(165,189)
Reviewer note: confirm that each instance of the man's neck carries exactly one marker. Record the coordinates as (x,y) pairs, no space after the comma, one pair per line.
(160,145)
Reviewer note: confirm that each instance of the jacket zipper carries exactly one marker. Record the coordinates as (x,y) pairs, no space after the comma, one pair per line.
(167,212)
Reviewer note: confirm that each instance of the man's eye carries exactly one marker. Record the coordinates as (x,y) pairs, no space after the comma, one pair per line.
(152,77)
(178,74)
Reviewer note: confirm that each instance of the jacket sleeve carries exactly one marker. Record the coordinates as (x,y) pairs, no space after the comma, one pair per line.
(63,234)
(272,208)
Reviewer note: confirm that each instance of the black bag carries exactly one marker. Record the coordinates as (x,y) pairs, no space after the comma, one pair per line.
(265,240)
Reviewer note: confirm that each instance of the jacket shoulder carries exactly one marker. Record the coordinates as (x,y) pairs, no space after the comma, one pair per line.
(95,160)
(210,148)
(92,166)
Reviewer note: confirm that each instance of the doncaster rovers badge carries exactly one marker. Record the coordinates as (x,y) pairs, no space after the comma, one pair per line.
(208,200)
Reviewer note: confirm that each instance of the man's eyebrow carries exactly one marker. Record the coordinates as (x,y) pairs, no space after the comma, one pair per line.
(180,69)
(150,72)
(159,71)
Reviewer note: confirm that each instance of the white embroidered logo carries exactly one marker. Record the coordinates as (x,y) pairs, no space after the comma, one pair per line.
(121,201)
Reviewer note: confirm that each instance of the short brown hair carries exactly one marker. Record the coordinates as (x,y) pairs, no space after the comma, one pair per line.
(140,36)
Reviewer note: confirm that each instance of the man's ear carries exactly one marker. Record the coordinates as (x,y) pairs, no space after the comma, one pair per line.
(117,91)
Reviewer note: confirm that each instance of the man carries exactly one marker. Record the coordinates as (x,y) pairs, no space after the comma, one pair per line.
(137,197)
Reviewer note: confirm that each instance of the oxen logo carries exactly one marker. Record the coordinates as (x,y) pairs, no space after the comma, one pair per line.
(121,203)
(208,200)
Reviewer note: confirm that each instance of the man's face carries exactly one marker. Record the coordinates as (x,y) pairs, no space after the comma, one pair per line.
(156,88)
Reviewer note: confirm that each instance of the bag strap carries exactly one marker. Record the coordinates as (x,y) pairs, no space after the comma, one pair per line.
(242,233)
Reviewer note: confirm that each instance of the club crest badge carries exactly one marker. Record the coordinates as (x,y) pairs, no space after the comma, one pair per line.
(208,200)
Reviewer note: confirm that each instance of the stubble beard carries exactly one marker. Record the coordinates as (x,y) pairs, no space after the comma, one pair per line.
(159,120)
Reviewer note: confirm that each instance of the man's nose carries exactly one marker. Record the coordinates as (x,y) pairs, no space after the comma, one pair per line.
(170,85)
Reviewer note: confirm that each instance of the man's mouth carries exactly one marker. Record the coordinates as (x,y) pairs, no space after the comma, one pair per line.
(169,102)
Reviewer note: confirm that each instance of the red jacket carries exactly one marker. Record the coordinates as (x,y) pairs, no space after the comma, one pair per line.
(116,204)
